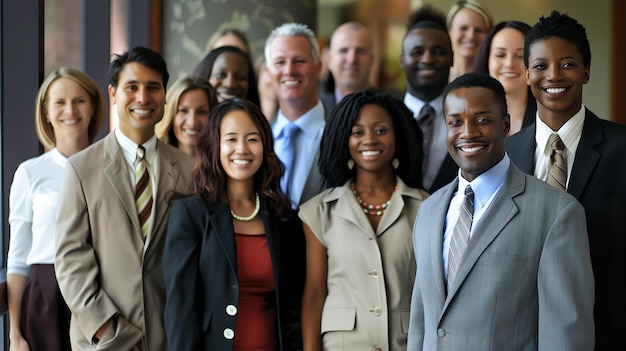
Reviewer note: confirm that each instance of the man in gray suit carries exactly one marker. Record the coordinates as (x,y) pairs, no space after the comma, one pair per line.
(517,274)
(110,245)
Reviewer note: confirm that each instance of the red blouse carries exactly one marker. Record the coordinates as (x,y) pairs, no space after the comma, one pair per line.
(255,326)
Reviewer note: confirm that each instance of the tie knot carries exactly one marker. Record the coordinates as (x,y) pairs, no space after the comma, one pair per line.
(291,129)
(469,192)
(141,153)
(427,111)
(555,142)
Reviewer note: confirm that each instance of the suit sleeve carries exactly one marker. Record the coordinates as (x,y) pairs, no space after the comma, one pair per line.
(565,284)
(416,322)
(76,264)
(183,303)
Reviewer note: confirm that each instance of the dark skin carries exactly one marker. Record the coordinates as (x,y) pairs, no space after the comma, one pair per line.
(476,126)
(556,75)
(426,60)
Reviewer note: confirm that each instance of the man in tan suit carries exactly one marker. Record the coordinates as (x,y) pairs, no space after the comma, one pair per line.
(108,260)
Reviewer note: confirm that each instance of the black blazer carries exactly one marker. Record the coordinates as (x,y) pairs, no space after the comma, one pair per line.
(200,271)
(598,181)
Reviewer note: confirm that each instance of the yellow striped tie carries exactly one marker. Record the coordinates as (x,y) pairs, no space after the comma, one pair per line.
(143,191)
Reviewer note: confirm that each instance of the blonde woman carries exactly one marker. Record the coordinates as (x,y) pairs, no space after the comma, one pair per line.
(468,23)
(69,112)
(187,107)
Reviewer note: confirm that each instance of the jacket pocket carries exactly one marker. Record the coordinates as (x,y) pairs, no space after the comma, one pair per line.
(338,319)
(206,321)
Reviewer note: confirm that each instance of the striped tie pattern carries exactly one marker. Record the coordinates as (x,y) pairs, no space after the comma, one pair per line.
(557,170)
(460,234)
(143,191)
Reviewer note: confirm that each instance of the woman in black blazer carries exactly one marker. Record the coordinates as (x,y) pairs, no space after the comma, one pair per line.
(234,254)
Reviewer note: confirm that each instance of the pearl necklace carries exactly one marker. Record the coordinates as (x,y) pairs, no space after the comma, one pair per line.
(374,210)
(250,217)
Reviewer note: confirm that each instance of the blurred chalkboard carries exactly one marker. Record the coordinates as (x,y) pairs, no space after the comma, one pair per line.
(188,25)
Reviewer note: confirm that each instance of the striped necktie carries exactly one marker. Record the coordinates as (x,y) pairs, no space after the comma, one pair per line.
(557,170)
(460,235)
(143,191)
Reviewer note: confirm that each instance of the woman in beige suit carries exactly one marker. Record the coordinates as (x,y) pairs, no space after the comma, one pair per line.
(360,263)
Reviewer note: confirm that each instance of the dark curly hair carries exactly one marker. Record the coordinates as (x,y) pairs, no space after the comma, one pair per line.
(334,150)
(209,177)
(561,26)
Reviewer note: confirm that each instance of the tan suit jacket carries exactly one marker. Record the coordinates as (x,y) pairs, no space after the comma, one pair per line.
(104,268)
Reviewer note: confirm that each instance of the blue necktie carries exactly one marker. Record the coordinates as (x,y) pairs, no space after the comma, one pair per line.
(287,155)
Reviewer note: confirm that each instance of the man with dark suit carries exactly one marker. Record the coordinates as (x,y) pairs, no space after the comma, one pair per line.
(558,60)
(503,258)
(293,64)
(426,60)
(350,60)
(110,231)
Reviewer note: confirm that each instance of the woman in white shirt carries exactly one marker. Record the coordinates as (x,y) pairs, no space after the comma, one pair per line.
(69,113)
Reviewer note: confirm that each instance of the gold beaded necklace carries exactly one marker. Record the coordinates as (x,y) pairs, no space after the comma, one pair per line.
(370,209)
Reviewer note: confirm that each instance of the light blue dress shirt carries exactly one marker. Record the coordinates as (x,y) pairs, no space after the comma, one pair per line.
(307,145)
(485,188)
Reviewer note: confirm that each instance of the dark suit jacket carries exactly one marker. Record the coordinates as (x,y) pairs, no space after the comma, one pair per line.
(598,181)
(447,172)
(200,270)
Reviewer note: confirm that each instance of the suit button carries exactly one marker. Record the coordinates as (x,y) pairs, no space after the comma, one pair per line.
(229,333)
(378,311)
(374,274)
(378,349)
(441,332)
(231,310)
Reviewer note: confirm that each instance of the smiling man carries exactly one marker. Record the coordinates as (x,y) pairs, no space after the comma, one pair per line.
(590,158)
(503,258)
(426,59)
(111,224)
(292,62)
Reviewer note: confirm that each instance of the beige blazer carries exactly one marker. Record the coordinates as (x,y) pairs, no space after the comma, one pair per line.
(103,266)
(370,273)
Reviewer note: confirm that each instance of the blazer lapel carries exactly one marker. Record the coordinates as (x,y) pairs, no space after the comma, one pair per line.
(223,229)
(500,212)
(166,183)
(393,212)
(586,155)
(116,171)
(435,238)
(349,208)
(521,149)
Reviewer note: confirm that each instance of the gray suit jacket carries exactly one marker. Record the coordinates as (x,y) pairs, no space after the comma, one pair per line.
(524,283)
(103,266)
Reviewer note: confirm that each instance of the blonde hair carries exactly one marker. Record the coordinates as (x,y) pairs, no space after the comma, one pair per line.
(45,132)
(163,129)
(470,5)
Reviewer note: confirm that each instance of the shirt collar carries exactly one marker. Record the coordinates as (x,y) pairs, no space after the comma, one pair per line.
(129,147)
(415,105)
(486,184)
(569,132)
(58,157)
(309,122)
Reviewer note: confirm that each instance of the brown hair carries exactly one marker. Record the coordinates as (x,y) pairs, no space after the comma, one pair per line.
(209,178)
(45,132)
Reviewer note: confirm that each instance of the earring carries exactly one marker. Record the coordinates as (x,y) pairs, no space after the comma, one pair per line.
(395,163)
(351,163)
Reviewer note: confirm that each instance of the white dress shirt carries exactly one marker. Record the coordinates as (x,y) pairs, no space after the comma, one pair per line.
(569,133)
(129,150)
(438,148)
(486,186)
(33,204)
